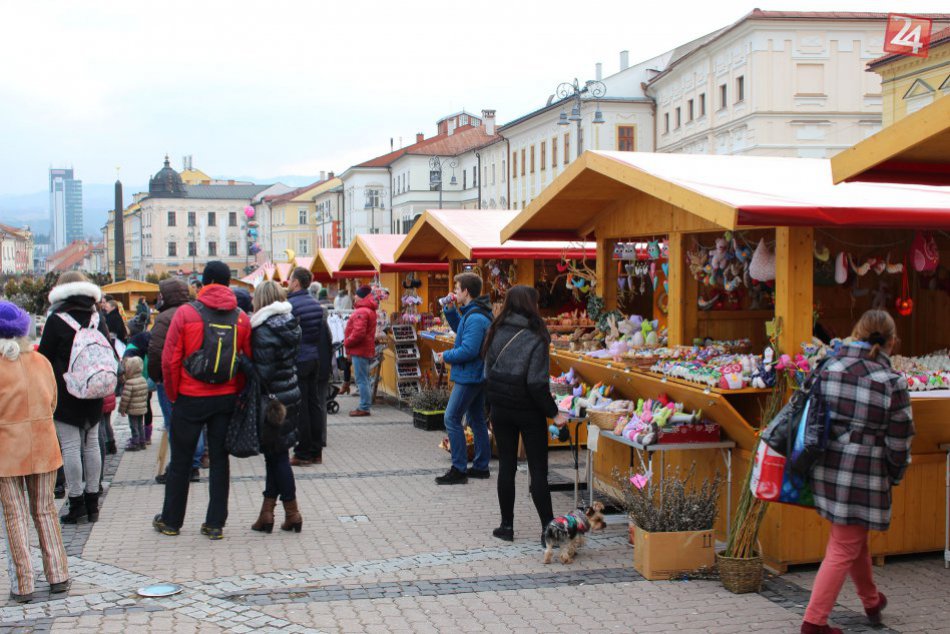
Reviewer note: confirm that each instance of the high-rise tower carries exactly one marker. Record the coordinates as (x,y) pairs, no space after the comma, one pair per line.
(65,208)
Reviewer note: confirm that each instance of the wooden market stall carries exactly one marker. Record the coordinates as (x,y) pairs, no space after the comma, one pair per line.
(129,291)
(791,213)
(400,281)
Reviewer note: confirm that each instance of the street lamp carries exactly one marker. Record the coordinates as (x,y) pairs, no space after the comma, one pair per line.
(574,90)
(436,169)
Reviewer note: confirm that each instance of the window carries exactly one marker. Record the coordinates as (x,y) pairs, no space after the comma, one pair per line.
(232,219)
(301,216)
(689,110)
(474,176)
(303,246)
(463,120)
(580,140)
(666,122)
(435,179)
(372,199)
(626,138)
(532,159)
(192,249)
(523,152)
(679,118)
(544,155)
(172,249)
(232,248)
(722,96)
(212,219)
(567,148)
(464,179)
(740,88)
(212,248)
(192,221)
(514,164)
(171,218)
(504,172)
(702,105)
(485,173)
(493,172)
(553,151)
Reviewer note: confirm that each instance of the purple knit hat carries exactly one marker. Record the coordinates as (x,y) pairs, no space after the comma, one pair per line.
(14,321)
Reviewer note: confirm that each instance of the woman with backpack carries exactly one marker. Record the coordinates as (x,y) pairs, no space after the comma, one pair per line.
(29,459)
(275,339)
(517,373)
(869,449)
(77,417)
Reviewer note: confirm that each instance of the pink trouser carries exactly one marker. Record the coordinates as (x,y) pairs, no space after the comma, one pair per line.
(847,553)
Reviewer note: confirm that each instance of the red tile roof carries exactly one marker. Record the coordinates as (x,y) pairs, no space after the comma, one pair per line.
(461,140)
(940,37)
(69,256)
(293,193)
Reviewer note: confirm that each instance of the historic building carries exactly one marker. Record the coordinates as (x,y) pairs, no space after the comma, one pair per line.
(16,250)
(909,83)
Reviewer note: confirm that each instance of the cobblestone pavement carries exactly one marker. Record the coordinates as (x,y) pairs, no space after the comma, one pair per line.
(384,549)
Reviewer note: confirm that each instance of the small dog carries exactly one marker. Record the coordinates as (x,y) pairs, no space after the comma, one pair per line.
(567,531)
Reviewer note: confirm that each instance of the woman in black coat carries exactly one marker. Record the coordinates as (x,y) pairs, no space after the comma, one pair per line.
(275,339)
(77,420)
(517,367)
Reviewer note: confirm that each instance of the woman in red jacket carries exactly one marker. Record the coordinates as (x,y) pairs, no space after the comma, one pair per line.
(360,343)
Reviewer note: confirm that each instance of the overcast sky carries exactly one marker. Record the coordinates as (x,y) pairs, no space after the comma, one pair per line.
(271,88)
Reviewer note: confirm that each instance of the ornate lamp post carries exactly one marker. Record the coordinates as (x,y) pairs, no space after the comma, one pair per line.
(436,168)
(574,90)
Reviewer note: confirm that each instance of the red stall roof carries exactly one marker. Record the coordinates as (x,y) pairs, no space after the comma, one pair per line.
(377,251)
(476,234)
(731,191)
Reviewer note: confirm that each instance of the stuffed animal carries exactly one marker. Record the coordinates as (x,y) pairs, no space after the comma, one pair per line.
(762,266)
(720,255)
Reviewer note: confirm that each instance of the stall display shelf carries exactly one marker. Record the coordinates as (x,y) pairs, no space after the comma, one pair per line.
(407,352)
(564,329)
(404,333)
(408,371)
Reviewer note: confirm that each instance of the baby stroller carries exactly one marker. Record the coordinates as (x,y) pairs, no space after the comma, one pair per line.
(333,407)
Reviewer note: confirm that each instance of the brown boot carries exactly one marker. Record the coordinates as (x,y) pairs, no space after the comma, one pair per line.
(345,388)
(292,518)
(265,521)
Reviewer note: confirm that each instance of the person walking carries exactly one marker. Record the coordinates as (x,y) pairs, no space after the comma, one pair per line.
(275,341)
(134,402)
(871,432)
(313,370)
(114,321)
(517,373)
(77,419)
(202,380)
(173,293)
(360,343)
(470,321)
(29,459)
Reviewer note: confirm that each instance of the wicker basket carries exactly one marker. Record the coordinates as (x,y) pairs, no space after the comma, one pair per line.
(561,389)
(605,420)
(740,576)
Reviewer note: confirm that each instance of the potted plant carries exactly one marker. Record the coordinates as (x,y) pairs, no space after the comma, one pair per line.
(428,407)
(672,521)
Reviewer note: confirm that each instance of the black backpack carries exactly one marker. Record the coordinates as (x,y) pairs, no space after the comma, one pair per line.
(216,361)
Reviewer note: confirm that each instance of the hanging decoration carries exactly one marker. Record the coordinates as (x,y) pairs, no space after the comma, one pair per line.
(249,212)
(762,266)
(904,304)
(924,253)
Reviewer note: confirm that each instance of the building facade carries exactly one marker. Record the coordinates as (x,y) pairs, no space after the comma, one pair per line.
(774,84)
(909,83)
(294,220)
(16,250)
(65,208)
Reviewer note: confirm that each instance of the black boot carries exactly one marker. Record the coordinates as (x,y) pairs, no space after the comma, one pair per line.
(505,532)
(92,506)
(77,511)
(111,449)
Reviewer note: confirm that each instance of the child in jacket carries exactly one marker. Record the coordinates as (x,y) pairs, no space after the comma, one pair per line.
(134,402)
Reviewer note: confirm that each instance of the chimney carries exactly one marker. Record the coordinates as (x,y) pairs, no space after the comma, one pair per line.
(598,71)
(331,175)
(624,60)
(420,137)
(323,175)
(488,118)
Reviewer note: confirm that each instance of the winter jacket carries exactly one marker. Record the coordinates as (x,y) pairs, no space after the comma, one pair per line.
(470,323)
(871,433)
(27,401)
(116,324)
(309,314)
(275,340)
(360,335)
(79,300)
(518,378)
(174,294)
(185,336)
(134,399)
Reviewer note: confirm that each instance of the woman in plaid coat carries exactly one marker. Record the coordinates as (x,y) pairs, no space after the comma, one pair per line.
(871,433)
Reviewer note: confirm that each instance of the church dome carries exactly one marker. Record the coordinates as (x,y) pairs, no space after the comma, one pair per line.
(166,183)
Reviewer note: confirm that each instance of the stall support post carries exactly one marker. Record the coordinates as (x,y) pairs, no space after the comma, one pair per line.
(604,259)
(794,262)
(675,322)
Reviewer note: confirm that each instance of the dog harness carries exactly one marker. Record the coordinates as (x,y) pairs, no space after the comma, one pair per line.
(573,523)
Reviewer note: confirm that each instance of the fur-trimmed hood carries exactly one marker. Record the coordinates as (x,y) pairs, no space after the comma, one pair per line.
(73,289)
(271,310)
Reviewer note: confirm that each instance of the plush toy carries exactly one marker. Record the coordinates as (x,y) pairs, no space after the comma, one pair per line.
(559,433)
(653,249)
(762,266)
(763,376)
(719,258)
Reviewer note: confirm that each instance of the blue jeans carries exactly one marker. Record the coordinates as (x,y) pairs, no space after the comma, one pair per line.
(468,400)
(361,369)
(166,407)
(279,476)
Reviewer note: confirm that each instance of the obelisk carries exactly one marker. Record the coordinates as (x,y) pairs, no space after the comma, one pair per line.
(119,234)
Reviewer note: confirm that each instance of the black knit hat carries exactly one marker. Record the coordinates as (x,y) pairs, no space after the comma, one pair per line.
(216,272)
(363,291)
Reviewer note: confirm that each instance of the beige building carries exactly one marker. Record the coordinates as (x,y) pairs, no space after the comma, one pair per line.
(291,221)
(775,84)
(909,83)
